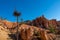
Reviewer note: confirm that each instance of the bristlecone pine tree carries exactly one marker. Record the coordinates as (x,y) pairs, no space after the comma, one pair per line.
(17,14)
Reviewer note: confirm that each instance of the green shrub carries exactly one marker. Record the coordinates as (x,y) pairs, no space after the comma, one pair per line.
(51,28)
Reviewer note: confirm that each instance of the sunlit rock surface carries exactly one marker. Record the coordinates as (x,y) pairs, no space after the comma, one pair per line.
(4,34)
(37,29)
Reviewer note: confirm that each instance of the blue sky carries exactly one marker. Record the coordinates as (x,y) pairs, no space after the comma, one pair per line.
(30,9)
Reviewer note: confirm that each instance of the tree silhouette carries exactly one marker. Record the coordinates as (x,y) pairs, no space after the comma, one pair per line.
(17,14)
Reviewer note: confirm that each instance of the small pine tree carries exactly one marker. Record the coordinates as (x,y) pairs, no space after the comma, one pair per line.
(51,28)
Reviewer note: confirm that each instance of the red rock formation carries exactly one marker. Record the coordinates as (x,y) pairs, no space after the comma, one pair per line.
(8,24)
(44,23)
(41,21)
(53,23)
(27,32)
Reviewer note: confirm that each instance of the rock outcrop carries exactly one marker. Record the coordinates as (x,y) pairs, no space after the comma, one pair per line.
(4,34)
(38,29)
(31,32)
(44,23)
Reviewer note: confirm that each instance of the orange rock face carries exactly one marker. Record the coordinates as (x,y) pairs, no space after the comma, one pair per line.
(27,32)
(53,23)
(41,21)
(8,24)
(44,23)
